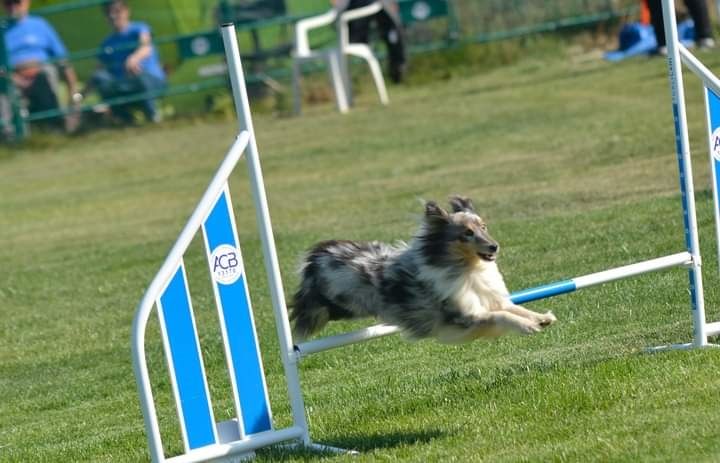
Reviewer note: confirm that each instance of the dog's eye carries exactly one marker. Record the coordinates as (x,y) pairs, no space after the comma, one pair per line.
(483,227)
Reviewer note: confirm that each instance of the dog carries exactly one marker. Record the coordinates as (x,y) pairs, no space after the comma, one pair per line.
(443,284)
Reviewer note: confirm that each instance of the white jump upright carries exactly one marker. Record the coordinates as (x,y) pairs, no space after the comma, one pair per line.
(206,439)
(203,438)
(677,55)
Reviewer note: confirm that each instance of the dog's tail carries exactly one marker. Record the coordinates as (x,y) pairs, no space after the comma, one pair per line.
(313,305)
(309,308)
(308,314)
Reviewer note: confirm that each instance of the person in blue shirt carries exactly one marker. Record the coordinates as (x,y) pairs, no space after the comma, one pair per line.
(130,64)
(36,53)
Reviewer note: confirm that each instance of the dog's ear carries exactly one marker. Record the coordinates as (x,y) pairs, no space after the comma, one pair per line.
(461,203)
(435,212)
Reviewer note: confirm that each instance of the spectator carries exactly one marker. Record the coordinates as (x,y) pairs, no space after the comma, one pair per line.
(130,63)
(390,27)
(698,10)
(36,54)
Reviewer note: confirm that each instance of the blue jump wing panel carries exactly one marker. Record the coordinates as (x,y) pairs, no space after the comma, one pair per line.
(714,132)
(185,364)
(233,301)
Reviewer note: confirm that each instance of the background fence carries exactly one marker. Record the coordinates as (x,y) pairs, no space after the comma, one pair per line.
(266,27)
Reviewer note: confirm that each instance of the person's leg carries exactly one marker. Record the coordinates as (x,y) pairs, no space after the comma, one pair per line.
(109,87)
(392,33)
(150,84)
(104,82)
(359,30)
(41,95)
(6,117)
(9,98)
(701,17)
(656,18)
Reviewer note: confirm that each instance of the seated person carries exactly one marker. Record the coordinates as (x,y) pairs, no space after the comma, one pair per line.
(32,45)
(130,63)
(390,27)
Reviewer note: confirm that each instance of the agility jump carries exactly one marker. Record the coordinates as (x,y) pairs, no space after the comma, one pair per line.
(205,439)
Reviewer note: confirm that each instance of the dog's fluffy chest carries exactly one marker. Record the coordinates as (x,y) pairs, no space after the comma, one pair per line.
(481,290)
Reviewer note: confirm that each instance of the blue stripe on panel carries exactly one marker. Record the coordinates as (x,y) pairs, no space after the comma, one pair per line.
(714,125)
(713,113)
(186,364)
(713,109)
(226,268)
(542,292)
(681,171)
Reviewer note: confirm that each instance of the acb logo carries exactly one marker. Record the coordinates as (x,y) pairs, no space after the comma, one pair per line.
(226,264)
(715,144)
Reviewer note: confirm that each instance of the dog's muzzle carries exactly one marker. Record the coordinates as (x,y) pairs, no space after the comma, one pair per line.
(491,255)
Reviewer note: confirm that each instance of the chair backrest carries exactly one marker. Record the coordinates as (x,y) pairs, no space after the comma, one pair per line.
(305,25)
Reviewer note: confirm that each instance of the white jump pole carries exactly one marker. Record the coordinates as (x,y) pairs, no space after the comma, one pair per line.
(699,69)
(272,268)
(686,179)
(242,107)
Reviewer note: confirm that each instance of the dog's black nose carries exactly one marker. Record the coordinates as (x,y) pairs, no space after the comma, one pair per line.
(493,247)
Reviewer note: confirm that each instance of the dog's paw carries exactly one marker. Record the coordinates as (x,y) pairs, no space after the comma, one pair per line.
(530,327)
(546,319)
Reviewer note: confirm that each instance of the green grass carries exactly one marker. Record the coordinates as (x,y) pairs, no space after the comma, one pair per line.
(570,159)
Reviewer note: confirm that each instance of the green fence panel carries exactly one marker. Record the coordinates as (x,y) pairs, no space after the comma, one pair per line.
(203,44)
(422,10)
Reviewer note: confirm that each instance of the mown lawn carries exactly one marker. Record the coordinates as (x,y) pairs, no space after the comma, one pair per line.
(570,159)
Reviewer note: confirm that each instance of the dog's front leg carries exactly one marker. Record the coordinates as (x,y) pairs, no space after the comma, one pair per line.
(465,328)
(544,319)
(513,322)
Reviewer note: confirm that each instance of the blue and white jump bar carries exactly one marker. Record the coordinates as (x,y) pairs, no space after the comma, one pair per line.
(682,259)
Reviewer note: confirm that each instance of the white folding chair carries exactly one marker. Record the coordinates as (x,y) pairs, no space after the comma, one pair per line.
(336,56)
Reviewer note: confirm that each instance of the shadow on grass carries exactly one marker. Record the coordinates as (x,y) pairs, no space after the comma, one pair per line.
(367,442)
(359,442)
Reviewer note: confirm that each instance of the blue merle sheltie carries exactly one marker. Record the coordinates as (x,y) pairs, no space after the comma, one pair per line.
(444,284)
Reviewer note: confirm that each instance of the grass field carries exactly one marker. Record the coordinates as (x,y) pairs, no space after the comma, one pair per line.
(570,159)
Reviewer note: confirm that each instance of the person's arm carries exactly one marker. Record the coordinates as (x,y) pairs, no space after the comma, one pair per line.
(72,119)
(70,78)
(58,51)
(144,49)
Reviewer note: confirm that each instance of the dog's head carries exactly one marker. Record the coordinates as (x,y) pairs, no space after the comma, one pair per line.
(461,233)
